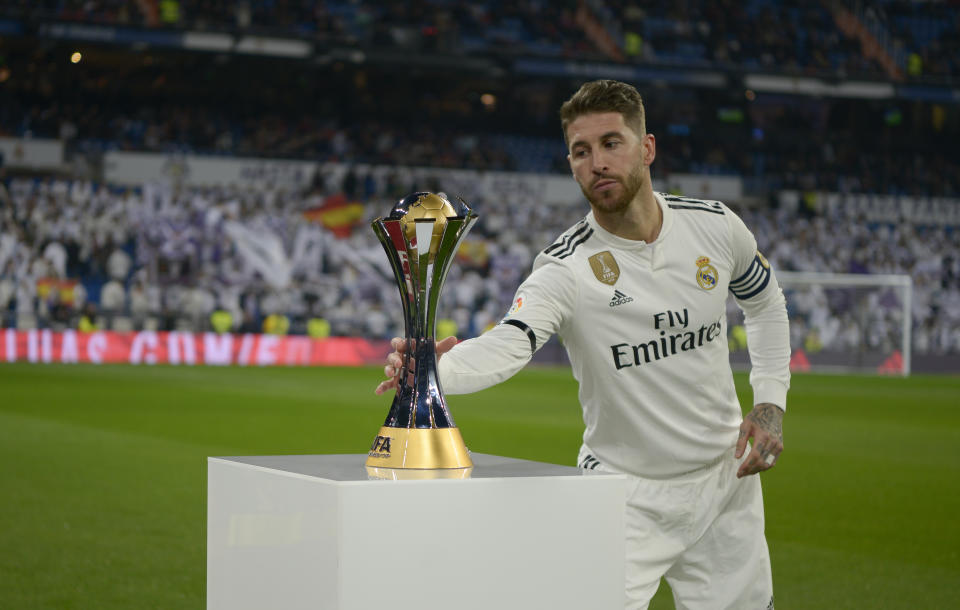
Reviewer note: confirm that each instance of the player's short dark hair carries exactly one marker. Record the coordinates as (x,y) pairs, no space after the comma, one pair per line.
(605,96)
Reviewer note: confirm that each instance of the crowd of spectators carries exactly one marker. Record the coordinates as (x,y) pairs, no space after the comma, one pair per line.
(166,258)
(773,142)
(793,36)
(539,27)
(786,35)
(850,319)
(162,258)
(790,36)
(200,103)
(925,35)
(181,129)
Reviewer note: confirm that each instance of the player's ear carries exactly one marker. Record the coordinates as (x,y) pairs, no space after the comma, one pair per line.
(570,163)
(649,145)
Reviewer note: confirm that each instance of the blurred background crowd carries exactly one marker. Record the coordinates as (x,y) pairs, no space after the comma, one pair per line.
(826,96)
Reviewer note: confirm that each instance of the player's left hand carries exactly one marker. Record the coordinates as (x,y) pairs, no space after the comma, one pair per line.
(764,424)
(395,362)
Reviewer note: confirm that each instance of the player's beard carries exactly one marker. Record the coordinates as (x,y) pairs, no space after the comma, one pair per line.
(605,201)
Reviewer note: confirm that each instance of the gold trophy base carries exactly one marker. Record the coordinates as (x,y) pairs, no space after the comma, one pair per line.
(417,474)
(422,448)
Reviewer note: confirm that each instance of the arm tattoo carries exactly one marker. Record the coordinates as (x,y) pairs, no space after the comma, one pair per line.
(768,416)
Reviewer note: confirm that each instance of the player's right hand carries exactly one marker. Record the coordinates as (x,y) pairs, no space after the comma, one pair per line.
(395,361)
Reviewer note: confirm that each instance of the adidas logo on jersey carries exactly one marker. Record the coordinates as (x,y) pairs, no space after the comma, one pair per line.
(619,299)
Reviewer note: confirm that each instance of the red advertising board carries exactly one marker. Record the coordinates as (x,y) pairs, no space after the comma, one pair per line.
(149,347)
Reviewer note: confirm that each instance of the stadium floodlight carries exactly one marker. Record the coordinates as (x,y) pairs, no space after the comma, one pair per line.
(844,322)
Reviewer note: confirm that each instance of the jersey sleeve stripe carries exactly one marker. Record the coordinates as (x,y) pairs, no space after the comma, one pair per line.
(751,275)
(562,244)
(755,277)
(689,203)
(752,282)
(589,463)
(754,265)
(574,245)
(674,206)
(759,289)
(755,280)
(530,334)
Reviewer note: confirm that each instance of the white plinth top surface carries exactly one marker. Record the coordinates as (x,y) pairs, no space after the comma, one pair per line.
(351,467)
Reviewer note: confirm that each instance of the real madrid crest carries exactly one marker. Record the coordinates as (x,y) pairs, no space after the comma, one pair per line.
(605,267)
(707,275)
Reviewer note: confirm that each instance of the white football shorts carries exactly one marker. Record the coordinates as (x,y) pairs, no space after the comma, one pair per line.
(703,531)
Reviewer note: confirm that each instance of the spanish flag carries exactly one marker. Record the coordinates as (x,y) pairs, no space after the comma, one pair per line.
(337,214)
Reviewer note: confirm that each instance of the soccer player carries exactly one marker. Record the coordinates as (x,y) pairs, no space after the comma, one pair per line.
(637,292)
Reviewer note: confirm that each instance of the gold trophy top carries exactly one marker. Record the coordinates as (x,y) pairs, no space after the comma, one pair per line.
(428,206)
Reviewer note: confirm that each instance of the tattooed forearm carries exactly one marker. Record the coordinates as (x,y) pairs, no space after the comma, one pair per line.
(768,416)
(765,424)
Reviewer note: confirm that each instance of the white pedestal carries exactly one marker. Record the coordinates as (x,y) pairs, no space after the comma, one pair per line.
(312,531)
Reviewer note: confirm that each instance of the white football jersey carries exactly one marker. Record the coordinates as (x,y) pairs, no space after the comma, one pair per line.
(644,325)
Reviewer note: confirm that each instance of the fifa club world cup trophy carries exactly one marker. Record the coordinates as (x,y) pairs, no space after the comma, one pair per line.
(421,236)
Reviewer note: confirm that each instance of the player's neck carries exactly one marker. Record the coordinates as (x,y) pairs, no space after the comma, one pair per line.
(640,221)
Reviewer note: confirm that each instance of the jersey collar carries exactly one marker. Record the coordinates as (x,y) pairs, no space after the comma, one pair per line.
(635,244)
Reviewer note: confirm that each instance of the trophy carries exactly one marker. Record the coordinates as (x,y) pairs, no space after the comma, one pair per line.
(421,236)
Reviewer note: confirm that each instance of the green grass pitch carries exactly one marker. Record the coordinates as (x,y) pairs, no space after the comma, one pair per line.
(103,474)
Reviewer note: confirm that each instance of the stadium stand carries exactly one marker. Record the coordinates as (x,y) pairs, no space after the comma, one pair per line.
(167,261)
(445,84)
(779,141)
